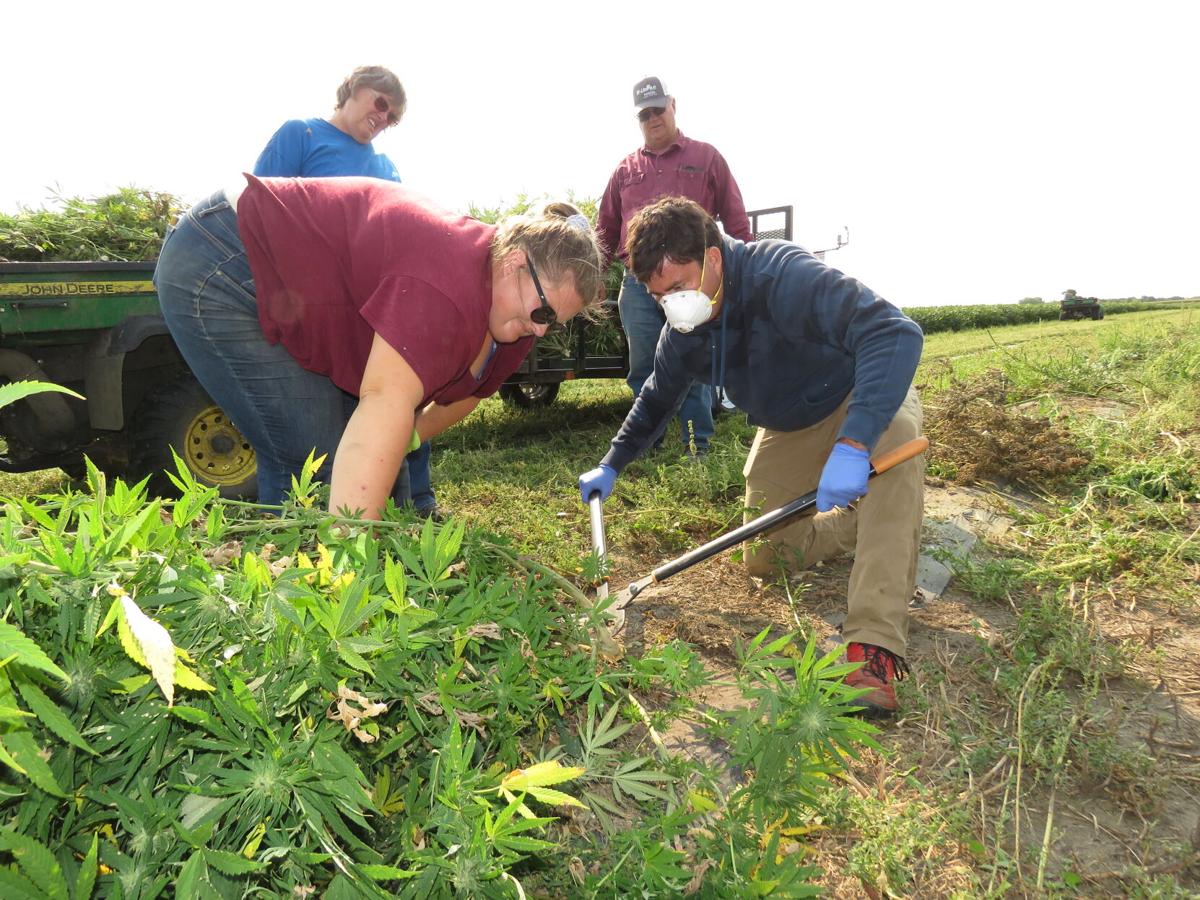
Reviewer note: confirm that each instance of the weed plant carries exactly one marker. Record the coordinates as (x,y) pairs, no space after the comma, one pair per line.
(201,702)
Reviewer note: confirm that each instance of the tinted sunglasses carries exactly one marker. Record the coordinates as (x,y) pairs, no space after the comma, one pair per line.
(381,104)
(645,114)
(544,314)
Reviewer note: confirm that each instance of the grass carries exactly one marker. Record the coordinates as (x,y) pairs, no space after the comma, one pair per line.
(1061,716)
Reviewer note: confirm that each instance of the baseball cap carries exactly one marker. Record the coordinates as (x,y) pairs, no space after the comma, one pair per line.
(650,92)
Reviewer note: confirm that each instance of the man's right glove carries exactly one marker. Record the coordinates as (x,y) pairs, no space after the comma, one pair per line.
(602,478)
(844,478)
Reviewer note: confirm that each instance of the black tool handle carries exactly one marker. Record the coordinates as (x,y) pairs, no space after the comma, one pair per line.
(769,520)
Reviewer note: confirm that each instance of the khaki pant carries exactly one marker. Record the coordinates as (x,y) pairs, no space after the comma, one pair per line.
(883,531)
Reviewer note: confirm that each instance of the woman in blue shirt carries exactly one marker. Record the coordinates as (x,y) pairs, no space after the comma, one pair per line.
(369,101)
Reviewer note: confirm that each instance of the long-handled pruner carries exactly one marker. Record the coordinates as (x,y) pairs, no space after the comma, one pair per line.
(606,644)
(598,543)
(769,520)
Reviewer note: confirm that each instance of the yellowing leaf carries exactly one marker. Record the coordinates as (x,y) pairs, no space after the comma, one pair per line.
(324,564)
(186,678)
(148,643)
(542,774)
(701,802)
(254,839)
(303,562)
(132,683)
(553,797)
(535,780)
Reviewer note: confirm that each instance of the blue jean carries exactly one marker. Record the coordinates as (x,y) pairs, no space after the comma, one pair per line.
(207,296)
(643,322)
(420,484)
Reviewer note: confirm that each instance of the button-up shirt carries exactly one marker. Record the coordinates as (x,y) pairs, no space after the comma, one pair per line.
(687,168)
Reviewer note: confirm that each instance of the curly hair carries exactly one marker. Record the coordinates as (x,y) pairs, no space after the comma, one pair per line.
(673,228)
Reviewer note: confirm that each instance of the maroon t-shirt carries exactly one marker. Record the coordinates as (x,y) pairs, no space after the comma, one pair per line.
(337,260)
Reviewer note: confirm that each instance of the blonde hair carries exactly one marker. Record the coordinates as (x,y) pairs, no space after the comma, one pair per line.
(560,244)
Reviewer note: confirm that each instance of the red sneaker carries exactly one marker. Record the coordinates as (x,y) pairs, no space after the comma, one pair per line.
(881,667)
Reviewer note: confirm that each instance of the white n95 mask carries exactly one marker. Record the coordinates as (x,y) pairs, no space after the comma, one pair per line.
(686,310)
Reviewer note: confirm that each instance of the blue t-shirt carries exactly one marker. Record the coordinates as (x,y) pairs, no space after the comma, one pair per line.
(313,148)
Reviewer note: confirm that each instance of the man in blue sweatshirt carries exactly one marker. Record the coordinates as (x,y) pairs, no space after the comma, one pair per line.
(824,368)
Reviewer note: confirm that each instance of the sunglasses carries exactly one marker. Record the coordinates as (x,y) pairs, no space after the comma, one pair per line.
(381,104)
(544,314)
(645,114)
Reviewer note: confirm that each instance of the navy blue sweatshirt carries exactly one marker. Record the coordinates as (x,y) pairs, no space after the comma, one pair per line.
(797,337)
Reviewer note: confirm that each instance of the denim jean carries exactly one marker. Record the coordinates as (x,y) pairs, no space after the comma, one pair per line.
(643,321)
(207,296)
(419,478)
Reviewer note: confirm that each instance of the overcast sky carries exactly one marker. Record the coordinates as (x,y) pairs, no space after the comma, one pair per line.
(978,152)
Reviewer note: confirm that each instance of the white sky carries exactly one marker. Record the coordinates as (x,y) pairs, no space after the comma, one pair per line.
(978,152)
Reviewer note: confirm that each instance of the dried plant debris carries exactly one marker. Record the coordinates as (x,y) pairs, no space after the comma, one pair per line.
(977,434)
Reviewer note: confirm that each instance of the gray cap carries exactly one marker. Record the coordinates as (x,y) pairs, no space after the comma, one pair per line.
(650,92)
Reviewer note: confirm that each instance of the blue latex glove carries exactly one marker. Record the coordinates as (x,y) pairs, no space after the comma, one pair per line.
(844,478)
(601,478)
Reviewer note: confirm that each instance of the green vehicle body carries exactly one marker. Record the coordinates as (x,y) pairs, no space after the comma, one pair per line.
(96,327)
(1075,307)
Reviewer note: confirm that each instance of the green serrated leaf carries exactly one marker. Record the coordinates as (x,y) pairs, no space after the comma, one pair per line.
(7,759)
(14,643)
(553,797)
(523,844)
(37,862)
(14,886)
(51,716)
(385,873)
(194,716)
(18,390)
(27,755)
(85,882)
(14,716)
(190,876)
(232,863)
(353,660)
(189,680)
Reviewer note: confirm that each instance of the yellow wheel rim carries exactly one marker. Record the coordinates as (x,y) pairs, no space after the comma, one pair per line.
(216,450)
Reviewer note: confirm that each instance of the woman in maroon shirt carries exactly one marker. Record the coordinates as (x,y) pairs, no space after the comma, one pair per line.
(352,317)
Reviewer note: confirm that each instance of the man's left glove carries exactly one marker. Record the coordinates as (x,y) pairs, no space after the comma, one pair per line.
(844,478)
(602,478)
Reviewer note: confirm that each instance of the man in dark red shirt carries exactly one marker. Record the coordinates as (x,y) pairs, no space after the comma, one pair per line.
(669,165)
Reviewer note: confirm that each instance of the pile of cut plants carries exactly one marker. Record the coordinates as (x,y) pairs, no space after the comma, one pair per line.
(198,699)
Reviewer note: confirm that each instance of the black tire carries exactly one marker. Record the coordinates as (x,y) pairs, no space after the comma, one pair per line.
(1098,314)
(529,396)
(182,415)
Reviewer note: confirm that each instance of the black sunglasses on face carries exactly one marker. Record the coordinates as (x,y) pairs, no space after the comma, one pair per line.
(645,114)
(544,314)
(381,104)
